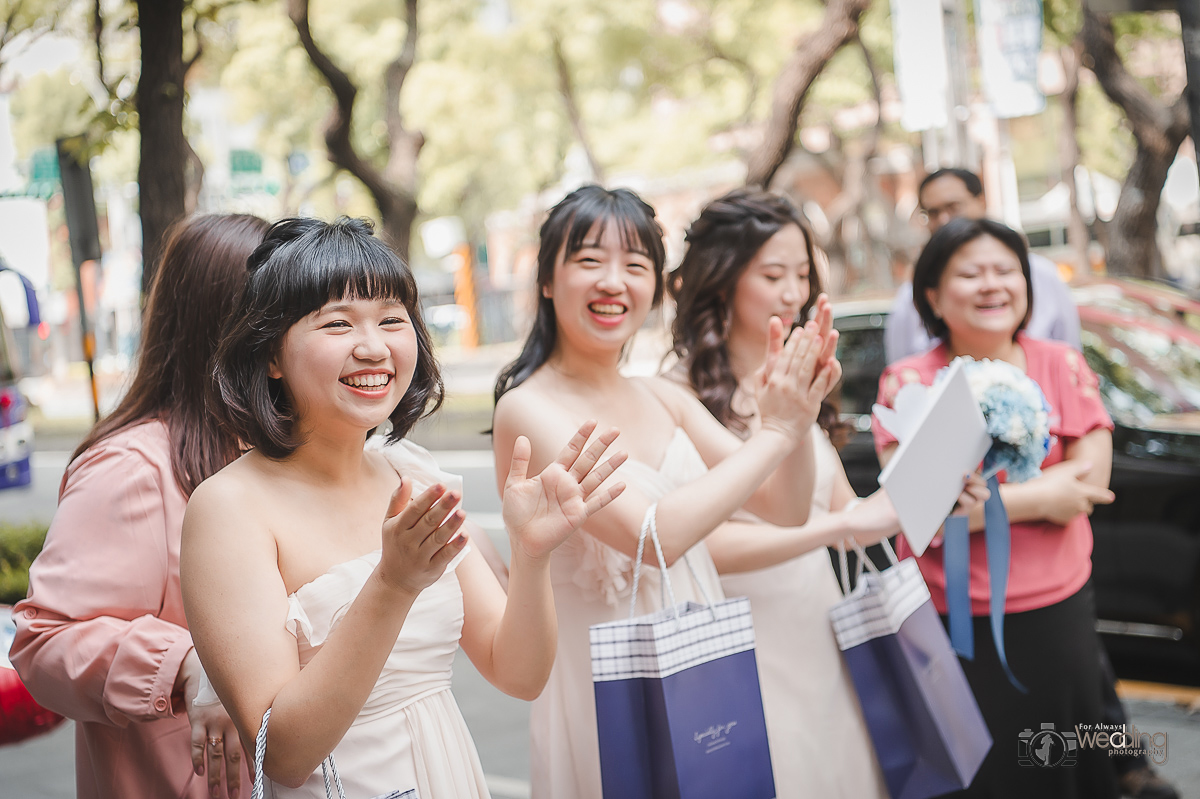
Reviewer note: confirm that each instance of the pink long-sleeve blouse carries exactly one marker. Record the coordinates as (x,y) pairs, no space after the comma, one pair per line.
(102,634)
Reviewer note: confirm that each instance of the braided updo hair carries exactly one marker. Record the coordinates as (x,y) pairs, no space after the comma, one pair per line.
(720,245)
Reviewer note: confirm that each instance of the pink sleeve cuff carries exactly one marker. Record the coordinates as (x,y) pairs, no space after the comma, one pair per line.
(142,676)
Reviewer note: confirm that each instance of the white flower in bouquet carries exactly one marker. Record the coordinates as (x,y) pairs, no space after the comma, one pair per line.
(1017,416)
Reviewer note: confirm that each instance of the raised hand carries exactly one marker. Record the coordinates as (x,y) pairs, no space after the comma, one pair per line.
(420,536)
(794,383)
(541,512)
(823,316)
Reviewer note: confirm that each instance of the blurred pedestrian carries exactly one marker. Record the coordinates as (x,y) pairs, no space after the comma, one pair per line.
(949,194)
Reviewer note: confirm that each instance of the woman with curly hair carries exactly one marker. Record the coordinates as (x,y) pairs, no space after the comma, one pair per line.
(750,259)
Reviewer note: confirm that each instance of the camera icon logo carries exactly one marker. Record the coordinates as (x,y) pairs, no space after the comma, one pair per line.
(1047,747)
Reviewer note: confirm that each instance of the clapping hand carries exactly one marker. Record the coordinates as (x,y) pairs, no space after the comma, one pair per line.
(797,375)
(420,536)
(541,512)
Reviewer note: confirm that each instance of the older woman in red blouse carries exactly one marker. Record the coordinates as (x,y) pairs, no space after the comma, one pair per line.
(971,287)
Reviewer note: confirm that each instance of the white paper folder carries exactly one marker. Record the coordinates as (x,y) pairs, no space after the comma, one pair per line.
(947,439)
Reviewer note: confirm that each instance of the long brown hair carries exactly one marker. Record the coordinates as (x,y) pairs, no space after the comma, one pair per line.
(198,283)
(721,243)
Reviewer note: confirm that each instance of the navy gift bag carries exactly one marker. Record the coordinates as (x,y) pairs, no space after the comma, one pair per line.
(929,735)
(678,706)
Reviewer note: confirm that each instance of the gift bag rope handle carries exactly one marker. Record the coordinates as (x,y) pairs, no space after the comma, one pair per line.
(649,527)
(328,766)
(863,560)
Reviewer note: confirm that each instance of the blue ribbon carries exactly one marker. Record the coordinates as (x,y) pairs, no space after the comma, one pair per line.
(956,561)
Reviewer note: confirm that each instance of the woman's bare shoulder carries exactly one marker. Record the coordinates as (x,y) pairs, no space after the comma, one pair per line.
(239,488)
(527,402)
(673,393)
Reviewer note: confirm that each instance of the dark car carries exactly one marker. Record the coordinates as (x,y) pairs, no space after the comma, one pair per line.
(1143,342)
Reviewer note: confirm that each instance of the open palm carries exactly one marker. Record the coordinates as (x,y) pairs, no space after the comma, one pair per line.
(540,512)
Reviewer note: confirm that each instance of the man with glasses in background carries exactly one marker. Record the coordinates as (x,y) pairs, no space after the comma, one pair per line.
(949,194)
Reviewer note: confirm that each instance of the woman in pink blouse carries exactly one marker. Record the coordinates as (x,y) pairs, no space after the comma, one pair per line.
(102,637)
(971,288)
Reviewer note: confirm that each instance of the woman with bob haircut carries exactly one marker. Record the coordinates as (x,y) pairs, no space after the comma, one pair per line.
(328,584)
(600,273)
(972,290)
(102,638)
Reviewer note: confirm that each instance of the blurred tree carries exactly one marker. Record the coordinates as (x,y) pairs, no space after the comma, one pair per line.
(162,167)
(1159,126)
(27,19)
(394,186)
(170,38)
(810,56)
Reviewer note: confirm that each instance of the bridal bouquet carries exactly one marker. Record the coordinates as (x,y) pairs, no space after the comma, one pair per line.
(1017,416)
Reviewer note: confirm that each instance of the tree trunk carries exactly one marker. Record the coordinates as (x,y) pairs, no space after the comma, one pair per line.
(566,90)
(1132,248)
(394,189)
(1158,128)
(162,186)
(811,55)
(1068,155)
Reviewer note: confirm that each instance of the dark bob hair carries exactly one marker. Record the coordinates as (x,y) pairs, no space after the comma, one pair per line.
(931,264)
(563,234)
(196,287)
(721,243)
(969,179)
(302,265)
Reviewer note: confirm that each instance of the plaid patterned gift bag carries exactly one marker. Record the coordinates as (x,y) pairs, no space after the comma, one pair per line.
(929,735)
(677,699)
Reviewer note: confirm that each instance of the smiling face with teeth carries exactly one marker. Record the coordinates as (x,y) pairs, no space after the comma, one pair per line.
(351,360)
(603,291)
(982,293)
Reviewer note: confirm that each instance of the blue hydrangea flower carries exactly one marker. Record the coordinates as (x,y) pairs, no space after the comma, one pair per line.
(1017,416)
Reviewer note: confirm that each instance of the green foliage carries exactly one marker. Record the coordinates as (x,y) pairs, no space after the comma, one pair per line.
(19,545)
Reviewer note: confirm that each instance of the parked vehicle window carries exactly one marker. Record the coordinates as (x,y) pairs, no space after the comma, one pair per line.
(1148,378)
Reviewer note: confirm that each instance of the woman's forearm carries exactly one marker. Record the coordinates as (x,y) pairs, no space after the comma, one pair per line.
(690,512)
(785,497)
(313,710)
(747,546)
(526,638)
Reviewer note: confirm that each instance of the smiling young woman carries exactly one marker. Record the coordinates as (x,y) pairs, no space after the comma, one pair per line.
(600,272)
(330,584)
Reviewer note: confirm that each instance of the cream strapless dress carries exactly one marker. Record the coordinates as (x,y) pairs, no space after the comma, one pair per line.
(820,745)
(409,733)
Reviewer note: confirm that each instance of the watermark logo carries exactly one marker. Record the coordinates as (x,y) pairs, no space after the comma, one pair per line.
(1047,747)
(1124,741)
